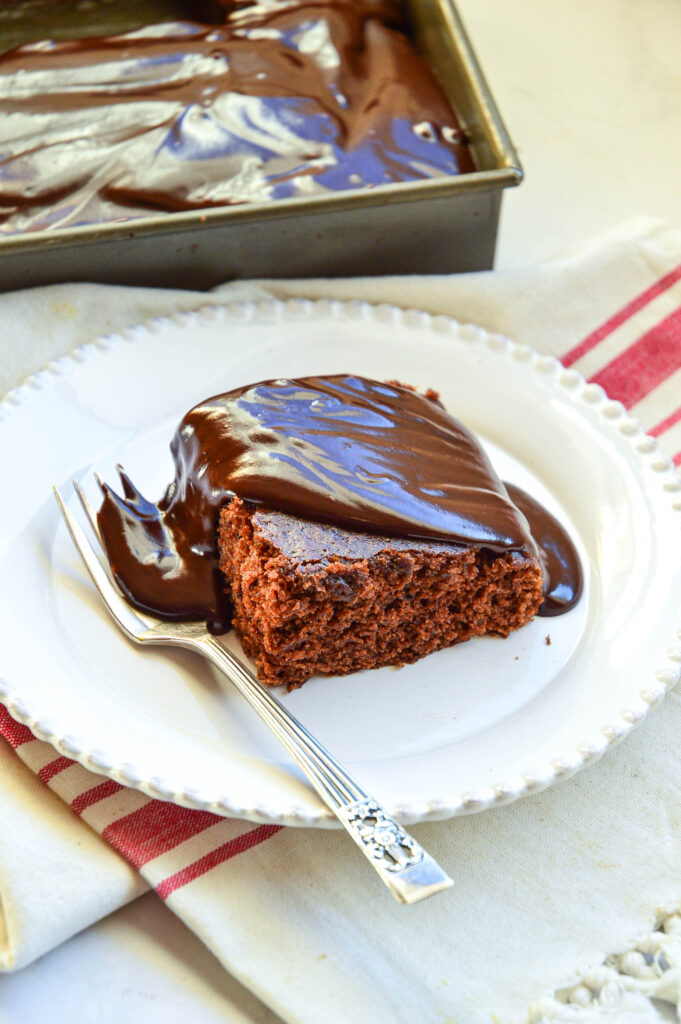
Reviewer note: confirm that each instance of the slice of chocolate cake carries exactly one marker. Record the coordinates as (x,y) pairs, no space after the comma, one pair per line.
(316,599)
(355,524)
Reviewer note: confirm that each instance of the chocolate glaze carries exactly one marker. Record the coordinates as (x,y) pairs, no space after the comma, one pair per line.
(563,580)
(286,98)
(366,456)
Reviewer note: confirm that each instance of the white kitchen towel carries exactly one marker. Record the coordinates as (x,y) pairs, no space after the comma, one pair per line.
(546,887)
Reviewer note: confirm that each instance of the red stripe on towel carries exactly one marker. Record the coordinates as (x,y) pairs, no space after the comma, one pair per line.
(154,829)
(645,364)
(666,423)
(14,732)
(621,316)
(52,768)
(95,794)
(215,857)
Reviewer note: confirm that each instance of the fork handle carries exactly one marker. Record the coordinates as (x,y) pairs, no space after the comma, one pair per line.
(410,873)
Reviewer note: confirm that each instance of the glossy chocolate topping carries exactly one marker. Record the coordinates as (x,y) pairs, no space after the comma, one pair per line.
(366,456)
(563,580)
(286,98)
(342,450)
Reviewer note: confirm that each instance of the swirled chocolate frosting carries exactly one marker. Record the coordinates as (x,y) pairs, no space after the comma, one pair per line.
(284,99)
(367,456)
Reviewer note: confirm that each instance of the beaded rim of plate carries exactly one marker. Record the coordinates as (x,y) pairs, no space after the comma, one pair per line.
(614,416)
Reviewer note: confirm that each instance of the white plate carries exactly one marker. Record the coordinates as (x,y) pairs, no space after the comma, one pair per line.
(479,724)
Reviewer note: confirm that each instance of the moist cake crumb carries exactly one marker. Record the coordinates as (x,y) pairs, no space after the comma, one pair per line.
(312,599)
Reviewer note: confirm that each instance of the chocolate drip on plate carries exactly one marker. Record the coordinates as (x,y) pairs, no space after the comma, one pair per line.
(563,580)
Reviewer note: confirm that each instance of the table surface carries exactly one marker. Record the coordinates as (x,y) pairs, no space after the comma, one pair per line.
(591,94)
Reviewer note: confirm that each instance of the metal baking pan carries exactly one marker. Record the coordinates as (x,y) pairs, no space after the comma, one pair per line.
(442,225)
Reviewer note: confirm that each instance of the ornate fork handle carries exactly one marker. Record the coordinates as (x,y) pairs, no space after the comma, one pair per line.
(409,872)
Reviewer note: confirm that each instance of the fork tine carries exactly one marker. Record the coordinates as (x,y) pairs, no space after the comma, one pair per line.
(88,510)
(118,607)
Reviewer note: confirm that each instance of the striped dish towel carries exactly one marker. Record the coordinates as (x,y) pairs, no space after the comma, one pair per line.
(293,913)
(635,355)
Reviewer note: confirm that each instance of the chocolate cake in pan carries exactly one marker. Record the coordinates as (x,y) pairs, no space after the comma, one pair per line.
(285,98)
(182,144)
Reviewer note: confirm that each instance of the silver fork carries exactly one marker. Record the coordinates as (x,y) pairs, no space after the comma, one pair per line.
(410,873)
